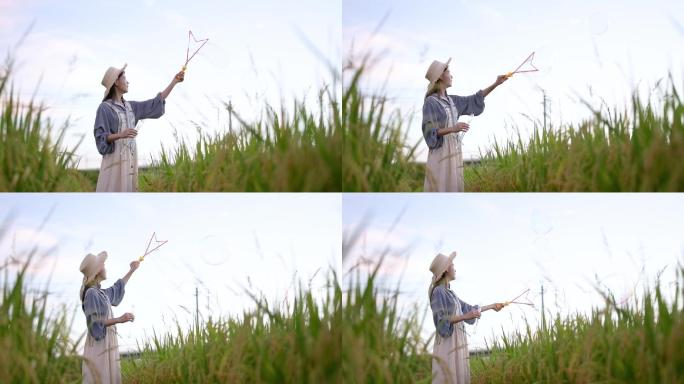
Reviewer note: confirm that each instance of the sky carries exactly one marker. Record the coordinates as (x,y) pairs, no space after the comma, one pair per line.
(222,244)
(585,50)
(571,244)
(259,51)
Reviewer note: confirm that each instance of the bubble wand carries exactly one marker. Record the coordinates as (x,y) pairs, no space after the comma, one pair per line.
(517,70)
(514,301)
(189,57)
(157,243)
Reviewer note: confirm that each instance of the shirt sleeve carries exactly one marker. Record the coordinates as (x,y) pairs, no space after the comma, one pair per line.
(432,121)
(115,293)
(105,124)
(469,105)
(150,109)
(95,309)
(440,312)
(465,308)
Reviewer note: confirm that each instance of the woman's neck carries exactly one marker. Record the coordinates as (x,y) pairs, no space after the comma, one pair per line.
(441,92)
(117,97)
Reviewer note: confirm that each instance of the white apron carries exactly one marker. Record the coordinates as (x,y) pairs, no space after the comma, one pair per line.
(450,356)
(101,358)
(444,169)
(119,169)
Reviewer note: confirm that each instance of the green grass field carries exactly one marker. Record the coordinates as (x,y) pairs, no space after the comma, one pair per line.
(289,342)
(353,333)
(357,144)
(637,149)
(288,150)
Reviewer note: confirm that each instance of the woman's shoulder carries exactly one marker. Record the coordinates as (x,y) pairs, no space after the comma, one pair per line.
(104,107)
(431,99)
(440,290)
(92,293)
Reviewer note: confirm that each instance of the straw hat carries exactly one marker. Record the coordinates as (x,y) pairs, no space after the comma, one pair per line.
(91,266)
(440,264)
(434,72)
(110,77)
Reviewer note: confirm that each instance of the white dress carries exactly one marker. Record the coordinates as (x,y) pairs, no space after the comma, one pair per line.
(119,169)
(101,362)
(444,169)
(450,356)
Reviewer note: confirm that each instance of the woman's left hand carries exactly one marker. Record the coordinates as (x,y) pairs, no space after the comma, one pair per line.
(498,306)
(180,76)
(134,265)
(500,79)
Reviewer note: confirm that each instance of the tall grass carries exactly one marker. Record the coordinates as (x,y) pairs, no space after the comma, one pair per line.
(292,151)
(381,342)
(638,149)
(295,342)
(641,342)
(34,344)
(285,151)
(31,159)
(376,153)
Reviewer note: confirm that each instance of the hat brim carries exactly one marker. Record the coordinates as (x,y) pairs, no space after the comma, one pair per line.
(432,83)
(451,258)
(123,69)
(100,260)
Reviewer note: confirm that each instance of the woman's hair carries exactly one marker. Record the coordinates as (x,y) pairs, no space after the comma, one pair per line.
(111,93)
(95,282)
(434,88)
(436,283)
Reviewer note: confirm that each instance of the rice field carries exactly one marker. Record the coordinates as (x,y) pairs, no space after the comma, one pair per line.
(377,156)
(32,155)
(291,149)
(639,342)
(287,342)
(638,149)
(353,332)
(297,342)
(36,347)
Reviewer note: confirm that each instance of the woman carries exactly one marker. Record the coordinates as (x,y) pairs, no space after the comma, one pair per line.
(101,352)
(450,354)
(444,171)
(115,130)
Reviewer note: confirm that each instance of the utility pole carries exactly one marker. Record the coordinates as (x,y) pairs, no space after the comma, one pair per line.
(196,308)
(544,102)
(230,116)
(543,313)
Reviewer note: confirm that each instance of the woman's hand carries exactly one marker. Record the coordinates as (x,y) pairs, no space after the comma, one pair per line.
(497,306)
(134,265)
(128,133)
(500,80)
(473,314)
(126,317)
(180,76)
(461,127)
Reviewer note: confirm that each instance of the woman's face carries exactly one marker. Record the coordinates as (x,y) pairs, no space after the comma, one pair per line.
(451,273)
(446,78)
(121,83)
(103,273)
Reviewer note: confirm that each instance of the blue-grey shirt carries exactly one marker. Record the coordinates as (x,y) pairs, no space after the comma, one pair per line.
(443,303)
(107,121)
(96,306)
(435,115)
